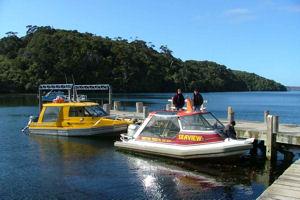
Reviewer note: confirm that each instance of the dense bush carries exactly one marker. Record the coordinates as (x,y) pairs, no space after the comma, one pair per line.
(47,55)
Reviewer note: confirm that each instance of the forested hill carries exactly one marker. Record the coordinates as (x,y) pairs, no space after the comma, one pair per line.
(47,55)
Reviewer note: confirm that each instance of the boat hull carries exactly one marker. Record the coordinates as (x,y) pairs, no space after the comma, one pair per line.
(101,131)
(220,149)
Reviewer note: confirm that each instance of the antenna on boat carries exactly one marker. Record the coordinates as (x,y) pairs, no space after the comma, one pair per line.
(74,90)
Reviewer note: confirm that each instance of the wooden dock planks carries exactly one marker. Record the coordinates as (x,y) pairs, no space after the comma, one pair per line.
(287,186)
(127,114)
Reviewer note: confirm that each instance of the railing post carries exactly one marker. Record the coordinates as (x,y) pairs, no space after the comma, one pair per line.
(275,124)
(230,114)
(110,95)
(168,107)
(171,104)
(145,111)
(106,108)
(139,107)
(40,101)
(69,95)
(266,113)
(117,105)
(271,139)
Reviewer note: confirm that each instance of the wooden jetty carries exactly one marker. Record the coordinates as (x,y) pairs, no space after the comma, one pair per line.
(287,186)
(274,134)
(270,131)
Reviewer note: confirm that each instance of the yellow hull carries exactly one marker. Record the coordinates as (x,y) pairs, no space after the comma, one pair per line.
(65,119)
(103,131)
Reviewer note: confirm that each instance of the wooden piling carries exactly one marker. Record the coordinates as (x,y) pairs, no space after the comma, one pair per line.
(266,113)
(139,107)
(117,105)
(275,124)
(145,111)
(106,108)
(271,139)
(230,114)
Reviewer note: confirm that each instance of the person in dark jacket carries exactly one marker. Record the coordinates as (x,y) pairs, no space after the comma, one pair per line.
(230,131)
(197,100)
(178,100)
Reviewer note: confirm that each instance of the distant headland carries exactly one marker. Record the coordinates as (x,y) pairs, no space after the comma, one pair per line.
(48,55)
(293,88)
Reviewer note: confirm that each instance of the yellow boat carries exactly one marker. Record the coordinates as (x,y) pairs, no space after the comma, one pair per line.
(75,119)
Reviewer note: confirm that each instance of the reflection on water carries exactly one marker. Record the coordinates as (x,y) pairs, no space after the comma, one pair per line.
(237,178)
(18,100)
(69,147)
(39,167)
(161,180)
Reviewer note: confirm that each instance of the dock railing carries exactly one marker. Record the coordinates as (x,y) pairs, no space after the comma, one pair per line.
(72,91)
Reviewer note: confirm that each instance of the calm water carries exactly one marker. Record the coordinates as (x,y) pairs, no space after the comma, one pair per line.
(39,167)
(247,105)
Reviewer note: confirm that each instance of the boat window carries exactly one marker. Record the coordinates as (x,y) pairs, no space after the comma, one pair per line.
(77,112)
(51,114)
(163,127)
(95,111)
(195,122)
(205,121)
(213,121)
(87,111)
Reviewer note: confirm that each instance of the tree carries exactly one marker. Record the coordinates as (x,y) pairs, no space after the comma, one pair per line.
(48,55)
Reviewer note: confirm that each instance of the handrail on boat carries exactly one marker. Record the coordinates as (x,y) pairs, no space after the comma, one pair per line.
(97,122)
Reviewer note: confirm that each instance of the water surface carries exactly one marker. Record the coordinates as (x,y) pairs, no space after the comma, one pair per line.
(39,167)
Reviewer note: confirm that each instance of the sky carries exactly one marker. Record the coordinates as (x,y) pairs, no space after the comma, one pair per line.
(259,36)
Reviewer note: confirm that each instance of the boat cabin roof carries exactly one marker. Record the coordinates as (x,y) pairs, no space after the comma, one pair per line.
(79,104)
(177,113)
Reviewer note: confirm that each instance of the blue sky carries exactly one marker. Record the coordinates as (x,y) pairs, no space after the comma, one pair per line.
(260,36)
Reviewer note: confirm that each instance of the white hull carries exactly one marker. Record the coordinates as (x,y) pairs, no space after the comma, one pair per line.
(219,149)
(102,131)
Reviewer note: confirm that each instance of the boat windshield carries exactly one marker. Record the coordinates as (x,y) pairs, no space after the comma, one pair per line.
(95,111)
(162,127)
(205,121)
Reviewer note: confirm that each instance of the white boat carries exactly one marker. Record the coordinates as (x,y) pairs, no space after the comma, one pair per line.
(182,134)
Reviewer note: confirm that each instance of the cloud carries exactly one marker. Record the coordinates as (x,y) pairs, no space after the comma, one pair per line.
(239,15)
(292,8)
(283,6)
(237,11)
